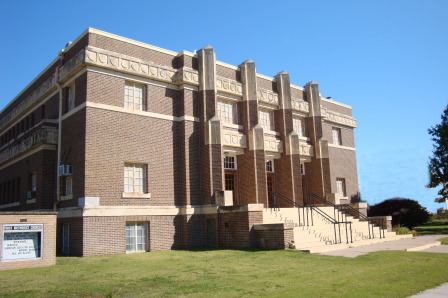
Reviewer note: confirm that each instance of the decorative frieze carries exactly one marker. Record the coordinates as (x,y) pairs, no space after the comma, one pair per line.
(331,116)
(233,139)
(229,86)
(306,150)
(71,65)
(128,64)
(187,75)
(300,105)
(273,144)
(41,136)
(267,96)
(29,100)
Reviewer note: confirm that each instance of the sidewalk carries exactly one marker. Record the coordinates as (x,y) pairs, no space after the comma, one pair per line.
(422,243)
(440,291)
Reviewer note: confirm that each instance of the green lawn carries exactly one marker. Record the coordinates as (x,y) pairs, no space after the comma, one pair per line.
(230,273)
(435,226)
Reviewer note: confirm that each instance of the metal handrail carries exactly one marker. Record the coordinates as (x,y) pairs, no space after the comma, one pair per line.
(355,213)
(277,197)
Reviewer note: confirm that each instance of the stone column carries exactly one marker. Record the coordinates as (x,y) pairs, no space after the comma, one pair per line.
(287,168)
(211,149)
(318,173)
(251,164)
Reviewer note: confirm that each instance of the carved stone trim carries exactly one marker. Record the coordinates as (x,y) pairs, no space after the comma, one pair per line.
(43,135)
(338,118)
(300,105)
(273,144)
(128,64)
(187,75)
(229,86)
(306,150)
(267,96)
(233,139)
(71,65)
(29,100)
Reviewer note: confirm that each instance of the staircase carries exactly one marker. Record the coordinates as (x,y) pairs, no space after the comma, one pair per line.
(324,228)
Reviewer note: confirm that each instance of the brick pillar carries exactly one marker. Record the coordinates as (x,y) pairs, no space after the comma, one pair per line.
(252,164)
(318,174)
(211,149)
(287,168)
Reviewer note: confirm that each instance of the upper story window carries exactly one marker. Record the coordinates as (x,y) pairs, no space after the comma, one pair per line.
(299,126)
(302,168)
(227,111)
(266,119)
(229,163)
(71,98)
(340,186)
(269,166)
(68,185)
(134,178)
(337,137)
(134,96)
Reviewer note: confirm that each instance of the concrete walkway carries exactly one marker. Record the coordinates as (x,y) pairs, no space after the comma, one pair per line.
(422,244)
(427,243)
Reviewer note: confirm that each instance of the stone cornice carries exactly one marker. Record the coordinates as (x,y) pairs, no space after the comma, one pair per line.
(229,86)
(300,105)
(267,96)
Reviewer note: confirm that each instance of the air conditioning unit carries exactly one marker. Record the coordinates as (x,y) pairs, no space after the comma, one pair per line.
(65,170)
(30,194)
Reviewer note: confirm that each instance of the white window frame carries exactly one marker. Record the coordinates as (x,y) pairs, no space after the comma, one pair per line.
(299,126)
(266,119)
(69,185)
(337,135)
(134,178)
(134,241)
(271,162)
(228,111)
(341,187)
(71,98)
(134,96)
(302,168)
(66,239)
(230,160)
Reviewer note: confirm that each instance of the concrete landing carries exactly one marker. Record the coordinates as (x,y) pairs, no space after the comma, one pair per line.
(422,243)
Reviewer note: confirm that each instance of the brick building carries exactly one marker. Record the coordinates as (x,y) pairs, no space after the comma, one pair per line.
(141,149)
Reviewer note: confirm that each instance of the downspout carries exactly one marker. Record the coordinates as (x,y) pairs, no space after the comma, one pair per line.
(58,180)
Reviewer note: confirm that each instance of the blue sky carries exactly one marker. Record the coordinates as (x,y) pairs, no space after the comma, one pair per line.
(387,59)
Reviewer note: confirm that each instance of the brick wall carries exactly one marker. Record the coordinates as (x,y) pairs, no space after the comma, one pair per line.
(343,165)
(48,219)
(274,238)
(336,108)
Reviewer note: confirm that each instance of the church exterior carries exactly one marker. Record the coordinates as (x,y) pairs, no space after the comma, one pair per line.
(143,149)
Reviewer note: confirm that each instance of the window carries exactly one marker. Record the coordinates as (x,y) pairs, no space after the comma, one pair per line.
(134,178)
(340,186)
(266,119)
(65,238)
(136,236)
(32,185)
(269,166)
(299,126)
(227,111)
(302,169)
(134,96)
(337,140)
(68,185)
(71,98)
(229,163)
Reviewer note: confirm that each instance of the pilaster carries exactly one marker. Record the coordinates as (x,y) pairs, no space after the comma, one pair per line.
(287,167)
(211,149)
(252,164)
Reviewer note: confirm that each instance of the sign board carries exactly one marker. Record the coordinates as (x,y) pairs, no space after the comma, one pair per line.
(22,241)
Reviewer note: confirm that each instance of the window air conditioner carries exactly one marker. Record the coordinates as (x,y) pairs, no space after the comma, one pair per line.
(65,170)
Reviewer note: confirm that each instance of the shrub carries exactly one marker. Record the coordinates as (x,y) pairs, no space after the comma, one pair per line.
(399,230)
(404,212)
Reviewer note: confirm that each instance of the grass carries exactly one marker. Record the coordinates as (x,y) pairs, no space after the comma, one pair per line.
(230,273)
(434,226)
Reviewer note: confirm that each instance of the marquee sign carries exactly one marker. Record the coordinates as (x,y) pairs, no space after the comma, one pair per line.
(22,242)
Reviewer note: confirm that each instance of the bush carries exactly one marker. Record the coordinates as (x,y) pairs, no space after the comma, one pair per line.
(441,214)
(404,212)
(399,230)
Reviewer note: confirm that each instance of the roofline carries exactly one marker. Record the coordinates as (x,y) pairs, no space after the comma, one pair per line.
(147,46)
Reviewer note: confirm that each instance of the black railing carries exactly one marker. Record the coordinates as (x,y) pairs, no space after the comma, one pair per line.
(309,209)
(344,209)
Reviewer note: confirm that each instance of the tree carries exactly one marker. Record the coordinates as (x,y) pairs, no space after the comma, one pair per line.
(438,163)
(405,212)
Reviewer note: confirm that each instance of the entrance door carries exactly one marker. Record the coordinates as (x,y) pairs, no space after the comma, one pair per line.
(231,184)
(271,189)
